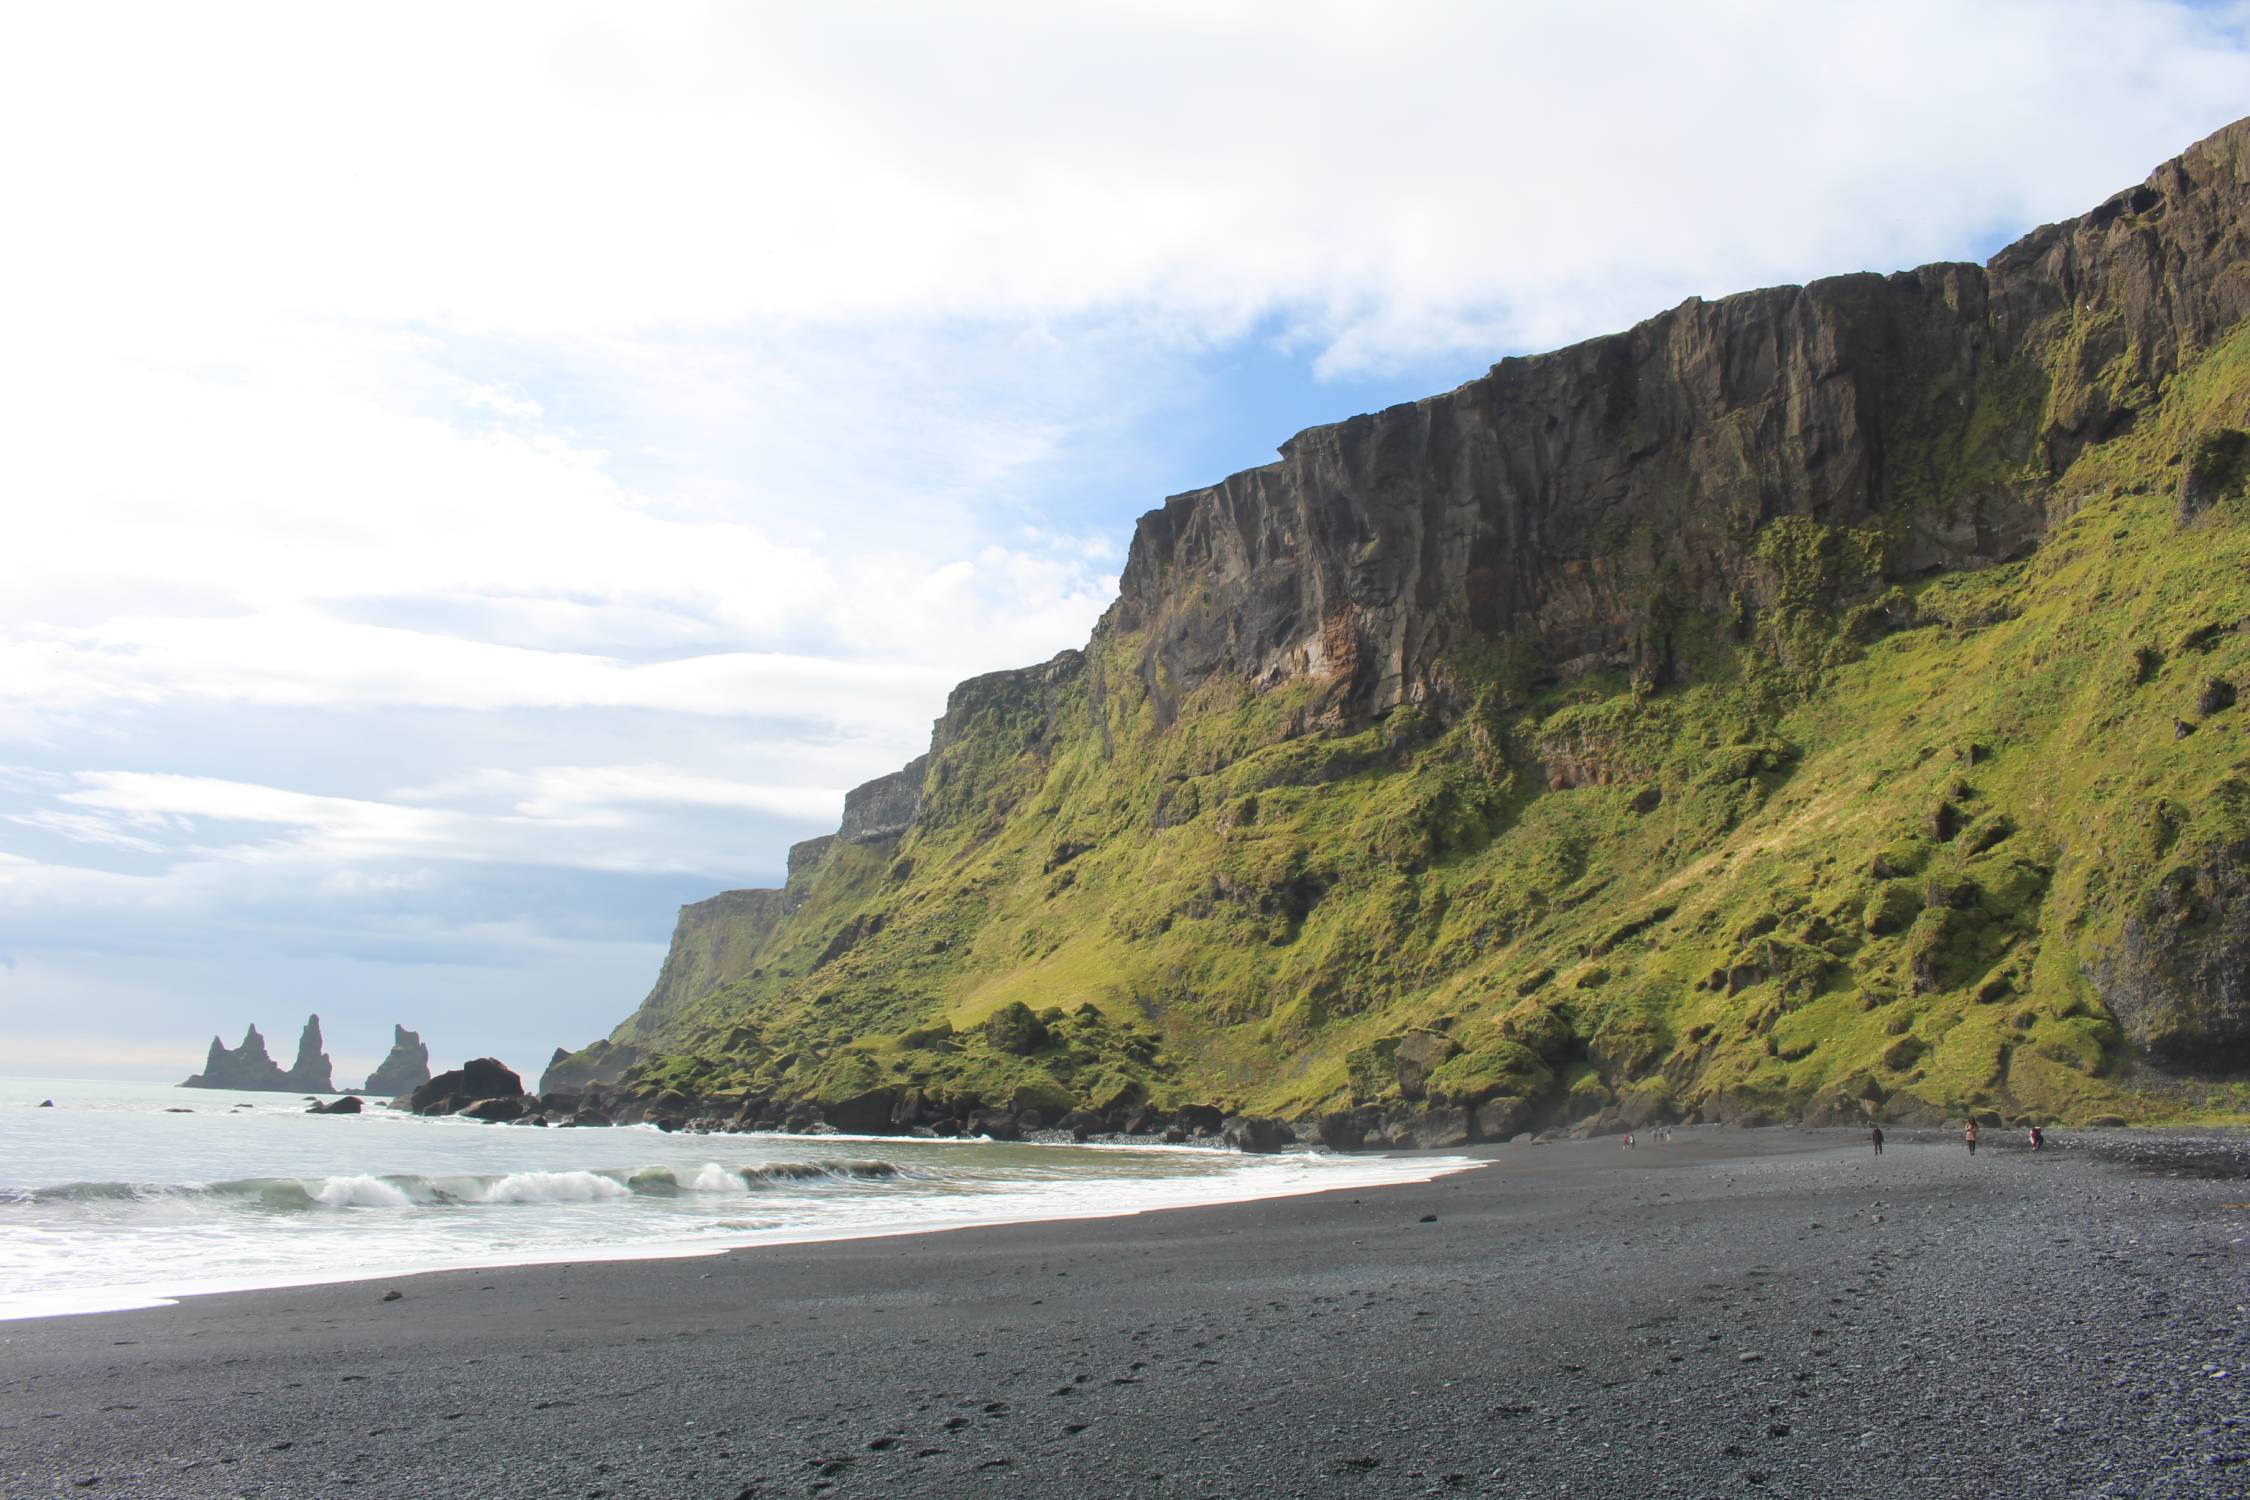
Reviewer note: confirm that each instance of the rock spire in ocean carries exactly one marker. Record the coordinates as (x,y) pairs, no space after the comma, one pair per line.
(251,1067)
(406,1069)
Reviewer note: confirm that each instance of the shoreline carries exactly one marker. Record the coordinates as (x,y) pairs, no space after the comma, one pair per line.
(1370,1171)
(1742,1313)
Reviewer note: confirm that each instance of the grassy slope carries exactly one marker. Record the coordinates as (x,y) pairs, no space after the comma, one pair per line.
(1878,865)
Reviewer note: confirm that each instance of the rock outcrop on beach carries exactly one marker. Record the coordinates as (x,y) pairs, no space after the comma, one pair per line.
(1816,703)
(475,1082)
(250,1066)
(406,1069)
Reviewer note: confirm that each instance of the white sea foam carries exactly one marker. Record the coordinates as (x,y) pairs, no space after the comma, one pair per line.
(360,1191)
(553,1187)
(713,1178)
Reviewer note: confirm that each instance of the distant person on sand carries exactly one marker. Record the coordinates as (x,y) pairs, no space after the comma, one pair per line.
(2038,1139)
(1969,1134)
(1876,1135)
(1628,1140)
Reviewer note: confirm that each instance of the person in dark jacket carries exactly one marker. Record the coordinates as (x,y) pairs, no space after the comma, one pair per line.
(1876,1135)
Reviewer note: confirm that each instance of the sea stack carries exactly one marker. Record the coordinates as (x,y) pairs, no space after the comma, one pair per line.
(311,1073)
(251,1067)
(405,1070)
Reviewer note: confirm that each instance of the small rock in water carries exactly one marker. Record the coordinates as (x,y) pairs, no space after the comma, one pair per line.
(46,1104)
(393,1295)
(1429,1218)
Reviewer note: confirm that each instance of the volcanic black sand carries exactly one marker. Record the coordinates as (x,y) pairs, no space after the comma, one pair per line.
(1736,1313)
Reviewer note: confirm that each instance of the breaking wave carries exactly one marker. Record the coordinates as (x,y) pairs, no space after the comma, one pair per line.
(416,1191)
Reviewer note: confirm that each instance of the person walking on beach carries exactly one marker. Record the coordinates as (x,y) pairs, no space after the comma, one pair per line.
(2037,1138)
(1969,1134)
(1876,1135)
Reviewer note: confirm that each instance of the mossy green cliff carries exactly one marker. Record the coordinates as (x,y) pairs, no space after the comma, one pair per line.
(1817,703)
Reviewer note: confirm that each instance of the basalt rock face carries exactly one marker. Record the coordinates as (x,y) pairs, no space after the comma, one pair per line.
(605,1061)
(1802,704)
(2178,979)
(885,807)
(406,1069)
(1581,504)
(249,1066)
(711,946)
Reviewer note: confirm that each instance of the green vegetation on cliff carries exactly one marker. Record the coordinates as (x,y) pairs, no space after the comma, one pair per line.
(1870,840)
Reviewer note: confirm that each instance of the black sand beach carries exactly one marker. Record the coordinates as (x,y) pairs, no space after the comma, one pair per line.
(1736,1313)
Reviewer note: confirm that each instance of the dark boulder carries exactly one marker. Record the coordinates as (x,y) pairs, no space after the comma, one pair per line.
(1257,1134)
(481,1078)
(1417,1055)
(348,1105)
(1200,1119)
(1438,1127)
(1344,1130)
(590,1119)
(998,1124)
(869,1113)
(496,1111)
(1500,1118)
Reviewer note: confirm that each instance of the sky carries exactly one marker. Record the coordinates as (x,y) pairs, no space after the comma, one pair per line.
(477,477)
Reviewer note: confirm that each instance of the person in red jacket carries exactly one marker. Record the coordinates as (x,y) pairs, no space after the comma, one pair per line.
(1969,1134)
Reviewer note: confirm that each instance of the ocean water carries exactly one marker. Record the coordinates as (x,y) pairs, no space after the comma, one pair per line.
(133,1194)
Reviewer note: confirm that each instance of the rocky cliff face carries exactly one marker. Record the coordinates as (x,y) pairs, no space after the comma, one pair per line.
(2178,979)
(885,807)
(406,1069)
(1582,505)
(249,1066)
(1816,701)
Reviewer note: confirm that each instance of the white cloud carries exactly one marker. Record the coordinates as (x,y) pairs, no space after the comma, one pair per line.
(1393,174)
(572,817)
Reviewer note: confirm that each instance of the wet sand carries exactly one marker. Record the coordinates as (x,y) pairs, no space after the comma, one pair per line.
(1769,1312)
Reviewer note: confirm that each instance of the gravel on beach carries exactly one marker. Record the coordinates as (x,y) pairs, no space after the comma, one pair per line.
(1732,1313)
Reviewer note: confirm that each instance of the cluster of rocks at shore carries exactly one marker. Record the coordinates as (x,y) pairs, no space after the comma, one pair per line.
(486,1089)
(911,1113)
